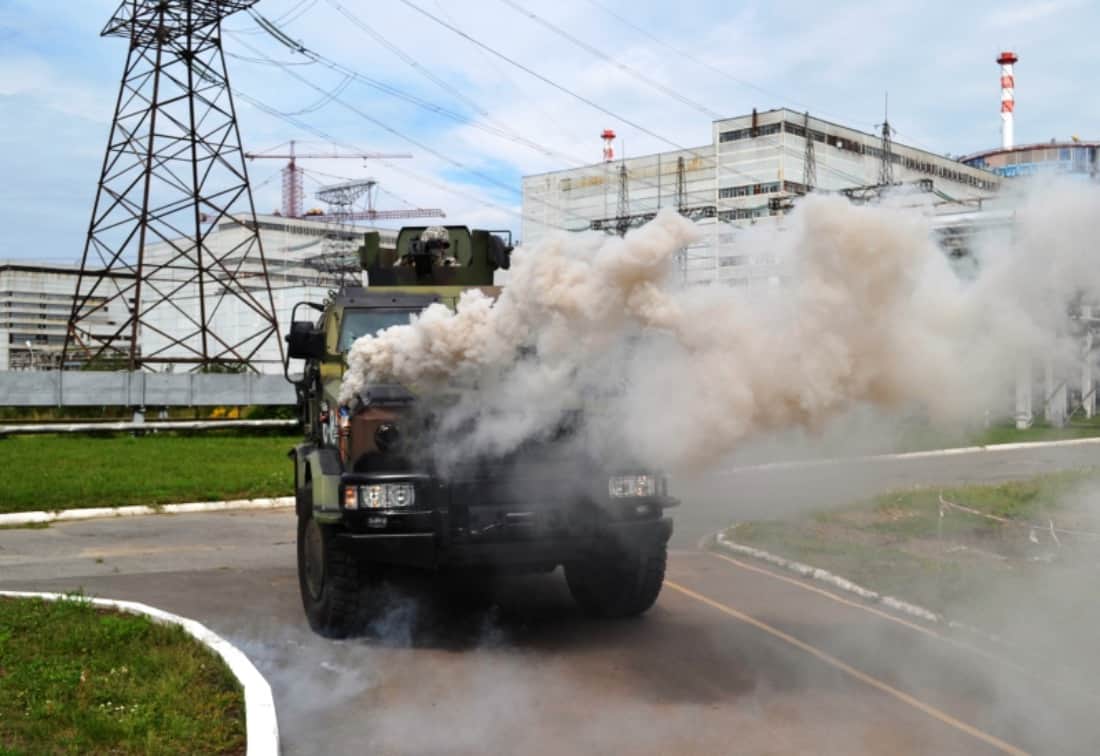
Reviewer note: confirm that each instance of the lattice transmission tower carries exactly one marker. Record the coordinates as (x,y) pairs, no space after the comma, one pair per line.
(172,174)
(622,220)
(886,166)
(809,160)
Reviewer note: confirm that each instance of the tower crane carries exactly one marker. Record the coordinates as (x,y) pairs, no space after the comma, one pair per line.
(292,174)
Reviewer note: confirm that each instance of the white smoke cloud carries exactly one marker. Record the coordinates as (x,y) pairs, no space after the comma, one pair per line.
(872,313)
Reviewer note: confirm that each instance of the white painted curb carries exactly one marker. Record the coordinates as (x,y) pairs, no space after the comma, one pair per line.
(33,518)
(843,584)
(929,454)
(261,725)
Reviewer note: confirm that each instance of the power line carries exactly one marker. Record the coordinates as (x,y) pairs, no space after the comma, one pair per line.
(700,62)
(284,39)
(566,90)
(316,57)
(274,112)
(298,47)
(408,59)
(629,70)
(550,82)
(546,113)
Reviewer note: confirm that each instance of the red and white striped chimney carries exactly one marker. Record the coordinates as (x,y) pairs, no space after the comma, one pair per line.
(1008,98)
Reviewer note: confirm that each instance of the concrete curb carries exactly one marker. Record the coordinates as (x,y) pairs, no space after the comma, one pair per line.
(261,724)
(34,518)
(843,584)
(929,454)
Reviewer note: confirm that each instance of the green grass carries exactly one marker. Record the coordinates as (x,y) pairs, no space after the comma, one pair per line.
(70,471)
(1002,434)
(919,436)
(77,680)
(898,544)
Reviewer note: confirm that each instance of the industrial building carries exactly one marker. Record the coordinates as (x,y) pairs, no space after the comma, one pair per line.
(1071,157)
(1055,157)
(303,258)
(754,167)
(36,300)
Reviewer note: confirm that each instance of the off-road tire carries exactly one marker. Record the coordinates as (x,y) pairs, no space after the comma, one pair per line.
(341,605)
(624,582)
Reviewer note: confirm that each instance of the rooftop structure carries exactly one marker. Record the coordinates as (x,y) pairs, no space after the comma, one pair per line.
(752,170)
(1072,156)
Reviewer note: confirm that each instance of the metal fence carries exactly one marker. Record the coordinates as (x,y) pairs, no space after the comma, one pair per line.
(55,388)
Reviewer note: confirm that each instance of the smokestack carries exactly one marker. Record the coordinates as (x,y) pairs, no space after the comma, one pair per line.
(1008,98)
(608,137)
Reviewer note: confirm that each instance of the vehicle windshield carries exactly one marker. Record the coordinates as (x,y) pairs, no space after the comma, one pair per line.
(363,322)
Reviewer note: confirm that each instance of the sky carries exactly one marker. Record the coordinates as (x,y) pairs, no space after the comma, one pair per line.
(59,80)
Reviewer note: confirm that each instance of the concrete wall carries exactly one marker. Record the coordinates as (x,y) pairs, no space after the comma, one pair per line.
(126,389)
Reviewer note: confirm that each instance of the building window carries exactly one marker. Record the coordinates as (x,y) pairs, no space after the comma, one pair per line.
(746,190)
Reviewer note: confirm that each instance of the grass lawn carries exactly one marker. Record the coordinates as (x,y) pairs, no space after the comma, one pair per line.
(75,471)
(921,437)
(899,544)
(75,679)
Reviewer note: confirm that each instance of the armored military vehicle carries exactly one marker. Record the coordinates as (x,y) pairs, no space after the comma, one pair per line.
(371,497)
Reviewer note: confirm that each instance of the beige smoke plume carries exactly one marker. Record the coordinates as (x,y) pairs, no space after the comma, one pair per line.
(870,311)
(566,297)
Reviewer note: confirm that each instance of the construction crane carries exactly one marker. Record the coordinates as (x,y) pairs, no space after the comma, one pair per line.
(292,174)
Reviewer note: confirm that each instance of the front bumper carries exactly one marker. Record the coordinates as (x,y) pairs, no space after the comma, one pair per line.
(436,550)
(466,525)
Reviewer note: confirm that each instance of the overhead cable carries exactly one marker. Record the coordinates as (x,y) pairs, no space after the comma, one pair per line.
(303,126)
(629,70)
(432,107)
(544,79)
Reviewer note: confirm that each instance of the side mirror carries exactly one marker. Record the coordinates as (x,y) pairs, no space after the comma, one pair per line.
(305,342)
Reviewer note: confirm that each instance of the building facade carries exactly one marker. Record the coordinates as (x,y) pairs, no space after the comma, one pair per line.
(751,171)
(1074,157)
(304,260)
(36,300)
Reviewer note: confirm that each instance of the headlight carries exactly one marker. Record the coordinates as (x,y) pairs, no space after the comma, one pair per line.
(624,486)
(382,496)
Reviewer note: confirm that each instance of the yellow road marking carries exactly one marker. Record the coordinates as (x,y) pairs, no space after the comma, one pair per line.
(969,647)
(827,594)
(851,671)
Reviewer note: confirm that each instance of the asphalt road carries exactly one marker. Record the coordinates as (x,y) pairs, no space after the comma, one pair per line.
(734,658)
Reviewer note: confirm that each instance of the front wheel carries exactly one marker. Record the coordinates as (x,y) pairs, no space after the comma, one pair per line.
(622,582)
(334,583)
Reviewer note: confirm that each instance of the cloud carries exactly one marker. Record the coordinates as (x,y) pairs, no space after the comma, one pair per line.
(943,92)
(1029,13)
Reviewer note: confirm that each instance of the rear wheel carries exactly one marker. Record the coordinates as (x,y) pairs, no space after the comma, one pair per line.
(621,582)
(335,584)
